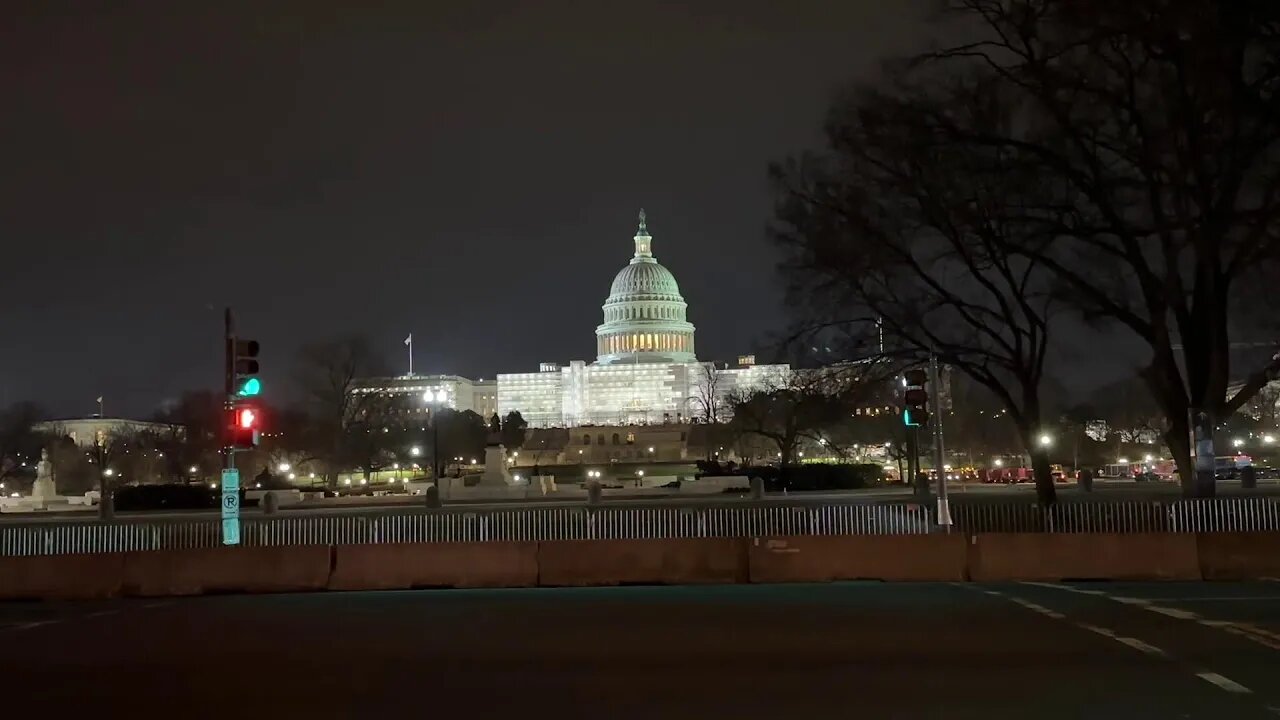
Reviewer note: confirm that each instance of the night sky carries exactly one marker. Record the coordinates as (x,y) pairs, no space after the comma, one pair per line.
(471,175)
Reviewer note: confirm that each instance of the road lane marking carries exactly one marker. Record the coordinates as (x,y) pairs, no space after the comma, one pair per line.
(1221,681)
(1068,588)
(1173,612)
(30,625)
(1141,646)
(1100,630)
(1247,631)
(1225,683)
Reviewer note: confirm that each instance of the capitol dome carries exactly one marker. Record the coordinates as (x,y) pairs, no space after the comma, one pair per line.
(644,315)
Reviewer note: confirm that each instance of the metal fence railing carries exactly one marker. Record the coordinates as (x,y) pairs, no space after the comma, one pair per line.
(462,525)
(1227,514)
(676,520)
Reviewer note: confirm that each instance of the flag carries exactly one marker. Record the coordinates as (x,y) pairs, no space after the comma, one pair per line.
(99,399)
(409,340)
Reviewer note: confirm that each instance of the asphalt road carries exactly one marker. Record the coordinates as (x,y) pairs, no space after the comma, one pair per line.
(800,651)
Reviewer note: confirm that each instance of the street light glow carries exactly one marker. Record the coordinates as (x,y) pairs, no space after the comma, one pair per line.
(1268,439)
(999,462)
(1045,440)
(193,469)
(415,451)
(1238,442)
(108,472)
(284,467)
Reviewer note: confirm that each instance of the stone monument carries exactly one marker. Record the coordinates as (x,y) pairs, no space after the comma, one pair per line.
(496,473)
(44,493)
(43,487)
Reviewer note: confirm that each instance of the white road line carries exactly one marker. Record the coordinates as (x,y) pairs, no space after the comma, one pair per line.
(1068,588)
(30,625)
(1173,612)
(1249,632)
(1100,630)
(1137,644)
(1223,682)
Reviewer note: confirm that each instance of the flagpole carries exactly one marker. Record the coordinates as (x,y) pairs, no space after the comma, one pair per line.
(100,413)
(410,353)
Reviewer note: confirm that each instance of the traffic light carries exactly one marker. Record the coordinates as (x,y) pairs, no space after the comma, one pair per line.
(915,399)
(246,426)
(244,369)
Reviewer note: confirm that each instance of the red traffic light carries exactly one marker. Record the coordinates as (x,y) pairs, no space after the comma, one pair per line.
(246,418)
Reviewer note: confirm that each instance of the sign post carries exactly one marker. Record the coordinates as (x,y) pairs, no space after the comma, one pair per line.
(231,507)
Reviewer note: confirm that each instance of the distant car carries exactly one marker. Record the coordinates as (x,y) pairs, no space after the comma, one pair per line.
(1266,472)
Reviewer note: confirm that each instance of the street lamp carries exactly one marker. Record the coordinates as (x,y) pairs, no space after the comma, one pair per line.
(1045,440)
(1238,442)
(284,467)
(193,469)
(999,462)
(1268,439)
(108,472)
(415,451)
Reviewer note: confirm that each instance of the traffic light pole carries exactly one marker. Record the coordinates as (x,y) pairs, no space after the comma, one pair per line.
(228,379)
(939,456)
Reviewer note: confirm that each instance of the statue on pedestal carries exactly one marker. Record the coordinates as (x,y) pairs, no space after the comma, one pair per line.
(44,489)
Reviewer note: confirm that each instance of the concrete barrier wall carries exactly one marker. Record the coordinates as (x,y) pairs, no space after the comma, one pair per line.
(819,558)
(61,577)
(637,562)
(293,568)
(1239,556)
(1092,556)
(416,565)
(984,557)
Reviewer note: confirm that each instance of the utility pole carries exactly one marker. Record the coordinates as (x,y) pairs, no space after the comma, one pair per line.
(939,456)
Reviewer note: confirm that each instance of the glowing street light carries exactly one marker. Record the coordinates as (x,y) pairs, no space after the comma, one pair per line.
(1268,439)
(108,472)
(640,473)
(415,451)
(1148,458)
(1045,440)
(284,467)
(999,462)
(1238,442)
(193,469)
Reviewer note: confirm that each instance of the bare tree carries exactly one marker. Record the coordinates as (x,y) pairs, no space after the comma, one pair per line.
(805,407)
(708,394)
(1157,124)
(341,416)
(899,225)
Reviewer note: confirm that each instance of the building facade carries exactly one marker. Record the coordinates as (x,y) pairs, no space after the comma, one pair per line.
(86,432)
(646,369)
(421,394)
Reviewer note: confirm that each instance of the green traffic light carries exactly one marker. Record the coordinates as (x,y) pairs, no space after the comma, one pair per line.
(251,387)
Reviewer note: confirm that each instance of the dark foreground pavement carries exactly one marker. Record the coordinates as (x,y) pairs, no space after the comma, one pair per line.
(797,651)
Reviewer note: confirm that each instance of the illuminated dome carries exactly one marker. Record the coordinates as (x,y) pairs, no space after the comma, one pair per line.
(644,315)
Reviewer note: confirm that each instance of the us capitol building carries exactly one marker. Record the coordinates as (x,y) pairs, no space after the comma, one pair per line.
(645,370)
